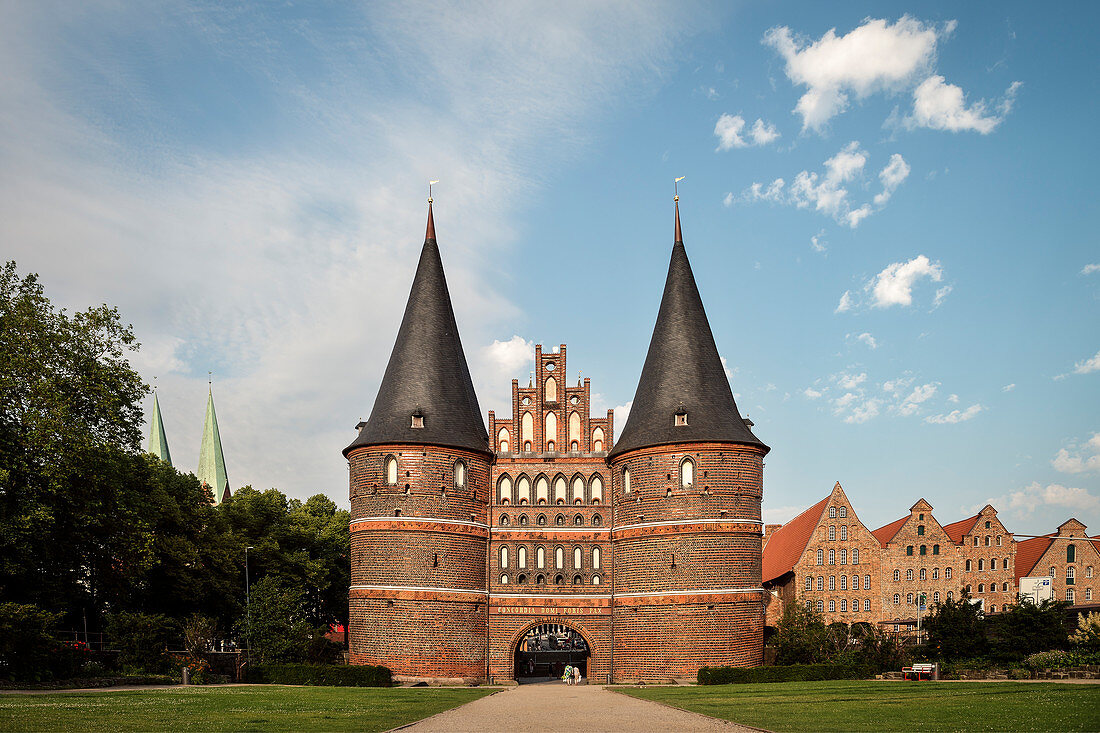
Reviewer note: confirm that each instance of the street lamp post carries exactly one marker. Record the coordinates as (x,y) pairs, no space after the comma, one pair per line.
(248,607)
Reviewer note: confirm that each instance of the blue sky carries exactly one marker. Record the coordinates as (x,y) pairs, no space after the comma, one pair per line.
(887,208)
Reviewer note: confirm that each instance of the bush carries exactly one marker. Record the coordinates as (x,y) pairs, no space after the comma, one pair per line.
(28,650)
(320,674)
(1047,660)
(788,673)
(1087,635)
(801,636)
(142,640)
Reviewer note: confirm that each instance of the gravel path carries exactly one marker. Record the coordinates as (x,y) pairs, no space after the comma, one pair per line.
(553,706)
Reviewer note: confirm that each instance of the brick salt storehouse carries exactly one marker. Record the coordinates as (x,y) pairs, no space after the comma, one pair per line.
(545,540)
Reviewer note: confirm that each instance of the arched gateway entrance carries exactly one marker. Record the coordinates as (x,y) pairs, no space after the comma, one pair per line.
(545,650)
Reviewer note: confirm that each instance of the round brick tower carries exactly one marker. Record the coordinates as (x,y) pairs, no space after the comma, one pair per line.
(419,500)
(687,483)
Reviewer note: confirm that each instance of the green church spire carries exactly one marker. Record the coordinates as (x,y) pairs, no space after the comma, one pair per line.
(211,460)
(158,441)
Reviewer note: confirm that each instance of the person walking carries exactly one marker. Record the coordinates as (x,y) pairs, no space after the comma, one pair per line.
(567,676)
(576,675)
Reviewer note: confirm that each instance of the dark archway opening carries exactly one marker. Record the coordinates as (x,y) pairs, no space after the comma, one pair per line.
(545,650)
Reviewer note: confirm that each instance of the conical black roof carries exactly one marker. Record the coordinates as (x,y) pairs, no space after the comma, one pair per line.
(682,370)
(427,374)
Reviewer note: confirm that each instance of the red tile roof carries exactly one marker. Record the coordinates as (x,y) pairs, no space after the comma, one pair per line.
(1028,552)
(956,530)
(788,542)
(885,534)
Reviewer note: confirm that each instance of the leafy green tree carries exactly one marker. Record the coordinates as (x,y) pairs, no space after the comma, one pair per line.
(956,629)
(1026,628)
(142,639)
(278,629)
(1087,635)
(800,636)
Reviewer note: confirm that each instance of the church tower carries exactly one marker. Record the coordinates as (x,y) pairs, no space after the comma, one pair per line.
(687,476)
(419,484)
(158,440)
(212,471)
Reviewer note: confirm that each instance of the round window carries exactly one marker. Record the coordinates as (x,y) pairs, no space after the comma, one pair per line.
(526,400)
(549,366)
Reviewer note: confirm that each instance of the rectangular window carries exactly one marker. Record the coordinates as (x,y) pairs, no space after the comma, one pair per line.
(844,582)
(809,584)
(843,557)
(832,582)
(866,604)
(832,606)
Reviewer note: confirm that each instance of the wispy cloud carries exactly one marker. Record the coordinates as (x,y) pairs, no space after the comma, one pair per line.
(955,416)
(941,106)
(1024,502)
(1090,268)
(731,133)
(1083,458)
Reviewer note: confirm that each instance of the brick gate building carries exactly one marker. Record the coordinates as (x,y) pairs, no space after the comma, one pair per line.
(490,554)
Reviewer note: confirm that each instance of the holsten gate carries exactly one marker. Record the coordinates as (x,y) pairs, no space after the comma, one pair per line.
(549,539)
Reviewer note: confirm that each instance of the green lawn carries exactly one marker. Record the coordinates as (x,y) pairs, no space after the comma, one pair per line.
(891,706)
(267,708)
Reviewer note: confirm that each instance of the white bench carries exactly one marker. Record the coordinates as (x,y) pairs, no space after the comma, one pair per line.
(921,670)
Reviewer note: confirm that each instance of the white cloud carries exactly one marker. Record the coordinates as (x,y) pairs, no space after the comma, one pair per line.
(1083,459)
(1008,387)
(850,381)
(827,192)
(894,285)
(892,176)
(726,368)
(953,399)
(913,400)
(874,57)
(817,242)
(1089,269)
(811,393)
(728,200)
(955,416)
(845,303)
(868,339)
(622,413)
(1025,501)
(1091,364)
(864,411)
(941,294)
(941,106)
(730,128)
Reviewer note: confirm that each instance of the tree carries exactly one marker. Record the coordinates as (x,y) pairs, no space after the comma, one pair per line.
(1088,631)
(1027,628)
(956,629)
(800,636)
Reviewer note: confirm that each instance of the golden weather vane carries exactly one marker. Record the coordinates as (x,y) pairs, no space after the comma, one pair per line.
(430,184)
(676,188)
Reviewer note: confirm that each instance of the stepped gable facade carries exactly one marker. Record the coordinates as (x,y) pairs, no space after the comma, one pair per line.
(827,560)
(545,539)
(1069,557)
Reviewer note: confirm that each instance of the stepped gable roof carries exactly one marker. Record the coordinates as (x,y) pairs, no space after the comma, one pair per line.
(427,371)
(211,470)
(886,533)
(158,440)
(1029,552)
(682,371)
(957,530)
(786,544)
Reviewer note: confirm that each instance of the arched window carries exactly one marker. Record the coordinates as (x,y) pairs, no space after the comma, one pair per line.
(987,540)
(969,566)
(505,489)
(551,435)
(924,549)
(832,512)
(459,473)
(559,490)
(920,530)
(981,565)
(821,582)
(578,520)
(820,606)
(844,531)
(832,582)
(832,532)
(527,446)
(820,556)
(832,557)
(1071,576)
(574,427)
(950,595)
(993,564)
(897,598)
(947,573)
(540,557)
(1071,553)
(541,520)
(687,473)
(909,598)
(993,608)
(809,584)
(560,520)
(597,520)
(968,589)
(522,579)
(981,587)
(596,558)
(866,582)
(866,604)
(897,575)
(935,573)
(595,580)
(577,580)
(936,597)
(578,490)
(504,556)
(521,557)
(504,579)
(909,550)
(559,557)
(540,579)
(844,582)
(626,480)
(503,520)
(597,489)
(502,439)
(909,574)
(843,556)
(542,490)
(576,558)
(551,390)
(574,446)
(935,549)
(843,605)
(923,574)
(1053,572)
(523,520)
(832,606)
(391,470)
(855,556)
(998,540)
(527,429)
(1004,587)
(523,490)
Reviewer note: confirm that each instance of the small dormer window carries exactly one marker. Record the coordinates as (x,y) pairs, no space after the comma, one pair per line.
(417,418)
(681,417)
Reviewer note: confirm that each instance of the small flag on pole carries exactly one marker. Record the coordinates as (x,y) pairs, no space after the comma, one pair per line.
(677,180)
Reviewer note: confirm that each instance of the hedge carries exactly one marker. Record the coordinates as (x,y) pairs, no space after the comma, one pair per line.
(788,673)
(334,675)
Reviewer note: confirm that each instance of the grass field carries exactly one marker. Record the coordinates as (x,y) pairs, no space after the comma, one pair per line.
(267,708)
(892,706)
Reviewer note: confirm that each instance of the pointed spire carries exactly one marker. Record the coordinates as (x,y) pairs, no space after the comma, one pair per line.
(158,441)
(677,236)
(211,459)
(427,396)
(683,395)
